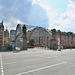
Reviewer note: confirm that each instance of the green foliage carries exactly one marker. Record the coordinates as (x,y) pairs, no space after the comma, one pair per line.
(5,41)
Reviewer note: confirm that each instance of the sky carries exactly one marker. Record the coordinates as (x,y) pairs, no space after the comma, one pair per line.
(58,14)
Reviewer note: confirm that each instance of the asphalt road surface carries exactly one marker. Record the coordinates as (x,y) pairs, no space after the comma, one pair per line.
(38,62)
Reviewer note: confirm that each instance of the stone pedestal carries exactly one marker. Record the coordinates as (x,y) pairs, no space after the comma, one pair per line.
(24,43)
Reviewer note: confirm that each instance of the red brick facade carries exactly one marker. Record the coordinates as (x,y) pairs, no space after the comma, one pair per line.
(1,33)
(67,40)
(50,39)
(40,37)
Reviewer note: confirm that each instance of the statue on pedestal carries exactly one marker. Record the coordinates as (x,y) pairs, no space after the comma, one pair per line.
(24,44)
(24,29)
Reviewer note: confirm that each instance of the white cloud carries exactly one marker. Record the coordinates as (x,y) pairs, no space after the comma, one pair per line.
(66,21)
(27,12)
(17,21)
(12,23)
(51,14)
(23,12)
(8,25)
(36,1)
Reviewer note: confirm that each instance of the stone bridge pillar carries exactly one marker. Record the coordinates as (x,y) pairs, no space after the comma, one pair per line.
(24,43)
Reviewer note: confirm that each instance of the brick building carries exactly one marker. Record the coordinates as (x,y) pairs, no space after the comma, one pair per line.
(40,35)
(67,40)
(12,36)
(6,34)
(1,33)
(46,38)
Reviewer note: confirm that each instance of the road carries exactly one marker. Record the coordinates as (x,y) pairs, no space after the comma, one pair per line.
(38,61)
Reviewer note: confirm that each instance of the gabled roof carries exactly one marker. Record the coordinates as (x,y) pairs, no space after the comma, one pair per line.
(31,29)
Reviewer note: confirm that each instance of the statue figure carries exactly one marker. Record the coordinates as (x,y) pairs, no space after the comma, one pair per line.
(24,29)
(24,46)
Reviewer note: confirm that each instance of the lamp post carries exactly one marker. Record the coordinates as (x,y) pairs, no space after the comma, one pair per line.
(59,44)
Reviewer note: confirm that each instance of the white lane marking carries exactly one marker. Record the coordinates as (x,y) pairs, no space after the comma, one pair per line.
(48,57)
(42,68)
(24,61)
(2,72)
(27,60)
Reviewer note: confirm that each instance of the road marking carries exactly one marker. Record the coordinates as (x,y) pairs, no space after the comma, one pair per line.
(28,60)
(42,68)
(24,61)
(48,57)
(2,72)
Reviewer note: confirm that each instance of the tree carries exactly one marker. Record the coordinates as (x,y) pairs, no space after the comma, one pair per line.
(5,41)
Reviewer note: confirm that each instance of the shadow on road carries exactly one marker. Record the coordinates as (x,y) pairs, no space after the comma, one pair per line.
(16,51)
